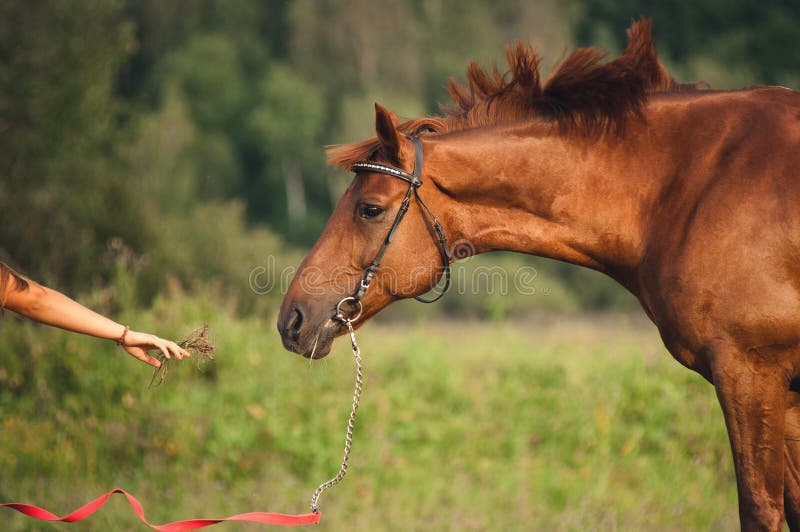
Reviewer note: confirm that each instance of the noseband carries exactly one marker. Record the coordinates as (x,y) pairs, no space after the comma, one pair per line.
(414,182)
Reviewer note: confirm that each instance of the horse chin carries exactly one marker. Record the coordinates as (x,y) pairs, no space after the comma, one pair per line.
(319,350)
(317,345)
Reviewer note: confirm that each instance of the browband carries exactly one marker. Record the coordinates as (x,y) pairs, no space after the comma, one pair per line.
(414,178)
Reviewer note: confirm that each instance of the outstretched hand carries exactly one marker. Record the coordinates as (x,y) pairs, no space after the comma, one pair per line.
(137,344)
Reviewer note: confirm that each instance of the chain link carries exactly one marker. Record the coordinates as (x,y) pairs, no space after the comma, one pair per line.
(348,440)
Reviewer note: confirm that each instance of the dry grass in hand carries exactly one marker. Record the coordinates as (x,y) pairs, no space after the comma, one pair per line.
(197,344)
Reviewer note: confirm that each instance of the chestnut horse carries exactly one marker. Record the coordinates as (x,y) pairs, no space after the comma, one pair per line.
(689,198)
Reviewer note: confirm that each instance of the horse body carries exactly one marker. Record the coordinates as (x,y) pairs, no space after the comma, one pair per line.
(720,257)
(692,206)
(721,280)
(695,221)
(675,226)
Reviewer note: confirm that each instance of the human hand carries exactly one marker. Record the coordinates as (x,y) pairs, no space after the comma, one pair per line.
(137,344)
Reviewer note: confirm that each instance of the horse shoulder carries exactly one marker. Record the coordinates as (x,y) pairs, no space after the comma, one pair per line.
(724,253)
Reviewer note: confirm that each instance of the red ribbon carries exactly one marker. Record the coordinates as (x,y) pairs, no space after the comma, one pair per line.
(85,511)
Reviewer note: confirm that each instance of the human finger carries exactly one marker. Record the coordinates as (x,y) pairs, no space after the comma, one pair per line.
(184,352)
(175,350)
(163,348)
(140,354)
(179,351)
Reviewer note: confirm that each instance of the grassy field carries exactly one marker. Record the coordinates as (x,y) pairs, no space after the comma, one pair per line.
(552,423)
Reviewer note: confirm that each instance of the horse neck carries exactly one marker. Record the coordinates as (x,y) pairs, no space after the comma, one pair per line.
(528,190)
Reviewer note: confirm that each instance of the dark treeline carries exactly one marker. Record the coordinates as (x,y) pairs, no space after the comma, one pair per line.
(183,141)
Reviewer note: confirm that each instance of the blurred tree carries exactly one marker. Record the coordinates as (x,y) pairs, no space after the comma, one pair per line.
(124,117)
(257,30)
(208,71)
(357,43)
(252,119)
(754,41)
(285,123)
(60,196)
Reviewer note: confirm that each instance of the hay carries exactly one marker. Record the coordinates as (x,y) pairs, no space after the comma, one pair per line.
(197,343)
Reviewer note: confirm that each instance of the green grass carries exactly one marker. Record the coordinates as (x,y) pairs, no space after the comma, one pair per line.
(544,424)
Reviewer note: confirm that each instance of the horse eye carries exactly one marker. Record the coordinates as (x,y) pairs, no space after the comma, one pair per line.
(370,211)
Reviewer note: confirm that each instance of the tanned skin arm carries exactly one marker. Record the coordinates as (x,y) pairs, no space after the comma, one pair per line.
(50,307)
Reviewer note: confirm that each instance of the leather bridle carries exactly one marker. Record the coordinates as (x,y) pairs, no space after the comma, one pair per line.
(414,181)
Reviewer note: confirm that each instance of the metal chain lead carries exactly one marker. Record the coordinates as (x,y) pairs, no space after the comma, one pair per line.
(348,440)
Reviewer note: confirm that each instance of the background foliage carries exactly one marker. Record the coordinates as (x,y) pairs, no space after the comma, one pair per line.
(125,119)
(154,155)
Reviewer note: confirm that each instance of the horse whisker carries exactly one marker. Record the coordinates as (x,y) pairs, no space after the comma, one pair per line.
(314,349)
(316,341)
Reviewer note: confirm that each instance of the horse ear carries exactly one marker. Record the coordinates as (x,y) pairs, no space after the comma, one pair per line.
(386,124)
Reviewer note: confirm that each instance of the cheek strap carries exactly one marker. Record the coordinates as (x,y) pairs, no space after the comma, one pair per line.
(414,181)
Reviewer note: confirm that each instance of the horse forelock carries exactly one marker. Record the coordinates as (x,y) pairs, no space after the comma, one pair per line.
(582,95)
(345,155)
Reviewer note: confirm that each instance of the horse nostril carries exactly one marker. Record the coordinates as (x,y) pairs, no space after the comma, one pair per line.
(294,323)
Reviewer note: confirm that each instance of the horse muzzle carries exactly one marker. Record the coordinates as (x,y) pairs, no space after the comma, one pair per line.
(301,333)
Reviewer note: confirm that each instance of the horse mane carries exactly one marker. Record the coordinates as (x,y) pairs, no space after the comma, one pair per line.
(582,94)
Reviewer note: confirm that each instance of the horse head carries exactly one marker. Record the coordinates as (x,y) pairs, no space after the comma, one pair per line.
(366,258)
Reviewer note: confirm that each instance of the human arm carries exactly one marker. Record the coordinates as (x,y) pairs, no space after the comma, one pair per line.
(54,308)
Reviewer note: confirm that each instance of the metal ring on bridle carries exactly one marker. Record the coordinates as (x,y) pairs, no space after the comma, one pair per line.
(340,315)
